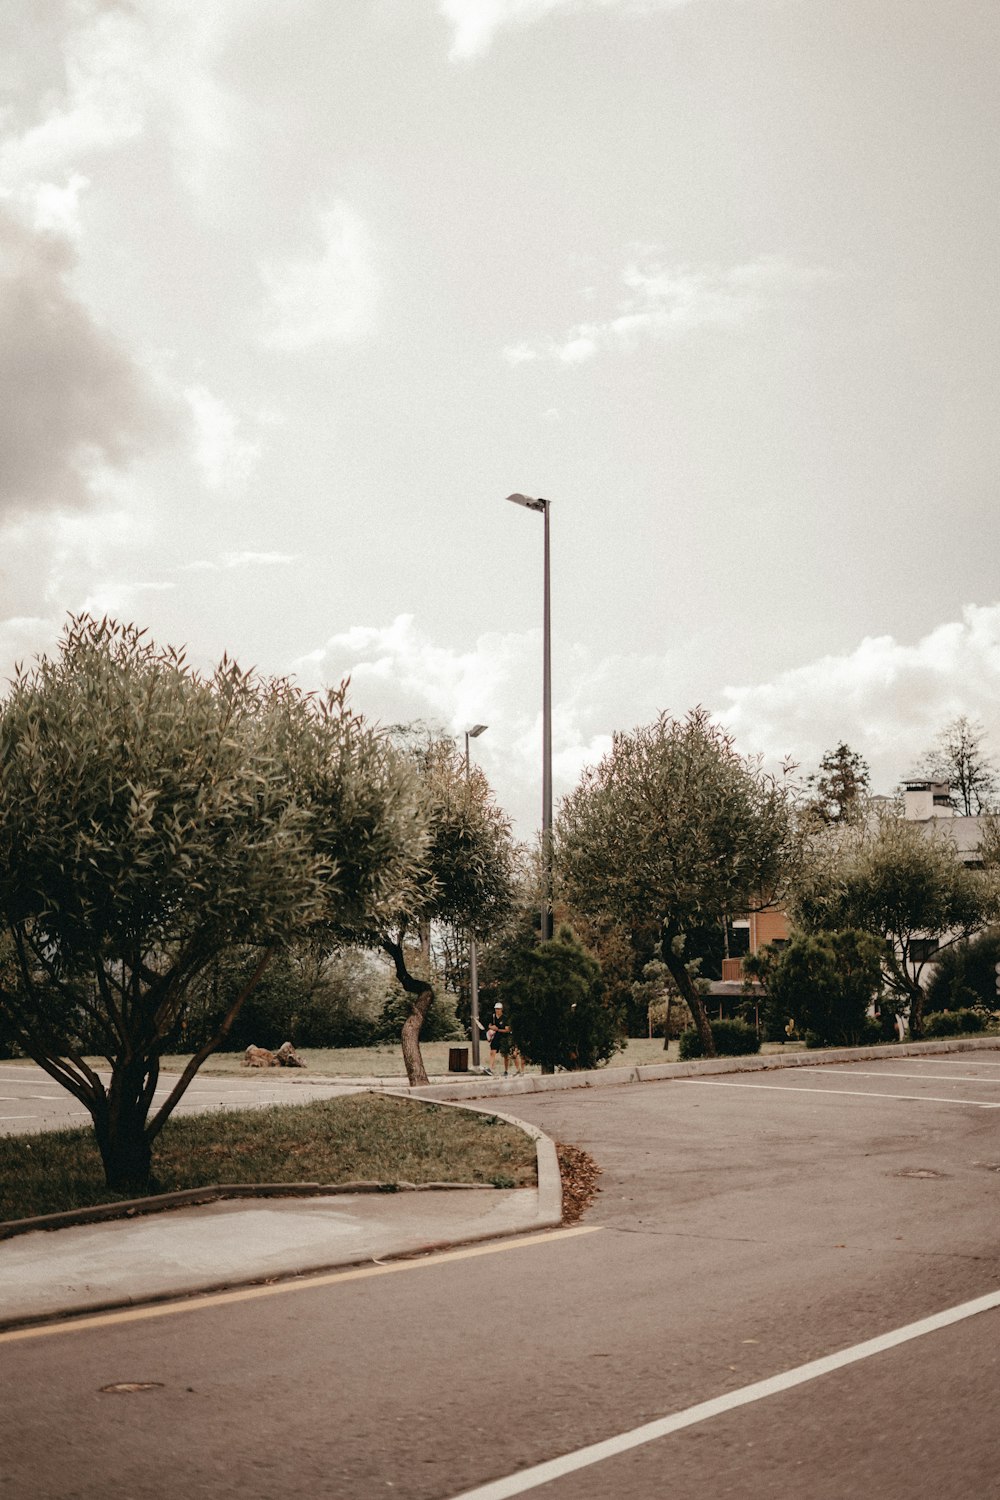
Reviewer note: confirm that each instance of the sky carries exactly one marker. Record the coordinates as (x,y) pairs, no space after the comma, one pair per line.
(293,296)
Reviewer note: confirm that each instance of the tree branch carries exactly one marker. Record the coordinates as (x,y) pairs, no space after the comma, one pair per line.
(156,1124)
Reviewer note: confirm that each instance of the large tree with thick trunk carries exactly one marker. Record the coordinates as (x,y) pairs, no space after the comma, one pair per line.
(152,818)
(674,827)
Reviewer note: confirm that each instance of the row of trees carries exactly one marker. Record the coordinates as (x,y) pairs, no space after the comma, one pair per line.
(167,839)
(676,832)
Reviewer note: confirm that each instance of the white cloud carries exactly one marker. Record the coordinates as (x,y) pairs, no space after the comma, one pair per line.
(328,297)
(476,22)
(886,699)
(398,675)
(258,559)
(670,301)
(230,560)
(123,71)
(226,459)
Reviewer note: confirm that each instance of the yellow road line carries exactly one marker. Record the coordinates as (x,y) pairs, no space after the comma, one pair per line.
(196,1303)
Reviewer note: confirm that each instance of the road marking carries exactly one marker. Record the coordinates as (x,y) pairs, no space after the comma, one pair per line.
(72,1114)
(946,1077)
(16,1098)
(799,1088)
(196,1303)
(595,1453)
(965,1062)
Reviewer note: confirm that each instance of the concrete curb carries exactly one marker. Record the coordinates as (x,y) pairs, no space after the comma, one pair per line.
(133,1208)
(538,1083)
(546,1157)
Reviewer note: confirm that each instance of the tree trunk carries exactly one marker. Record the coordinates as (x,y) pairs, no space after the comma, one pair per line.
(666,1023)
(120,1127)
(916,1012)
(684,982)
(128,1160)
(420,995)
(410,1037)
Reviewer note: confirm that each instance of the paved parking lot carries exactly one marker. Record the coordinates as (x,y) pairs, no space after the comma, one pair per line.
(32,1101)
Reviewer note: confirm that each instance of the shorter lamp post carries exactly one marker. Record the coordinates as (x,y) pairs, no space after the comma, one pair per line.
(472,734)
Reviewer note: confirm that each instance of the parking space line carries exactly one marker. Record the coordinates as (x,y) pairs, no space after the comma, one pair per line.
(965,1062)
(595,1453)
(793,1088)
(943,1077)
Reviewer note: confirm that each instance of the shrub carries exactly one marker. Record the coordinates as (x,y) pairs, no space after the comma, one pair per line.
(554,996)
(441,1023)
(305,997)
(868,1035)
(732,1039)
(953,1022)
(964,974)
(824,981)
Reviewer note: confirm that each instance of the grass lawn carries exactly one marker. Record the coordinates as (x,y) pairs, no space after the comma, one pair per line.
(333,1141)
(386,1061)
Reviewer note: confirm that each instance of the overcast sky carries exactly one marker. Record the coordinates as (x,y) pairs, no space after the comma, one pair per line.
(293,295)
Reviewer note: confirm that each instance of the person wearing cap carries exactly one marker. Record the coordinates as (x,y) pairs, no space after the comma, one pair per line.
(498,1036)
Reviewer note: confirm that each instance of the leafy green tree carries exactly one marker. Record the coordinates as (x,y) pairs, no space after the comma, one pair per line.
(554,996)
(893,879)
(675,828)
(840,786)
(464,880)
(958,758)
(965,975)
(152,818)
(824,982)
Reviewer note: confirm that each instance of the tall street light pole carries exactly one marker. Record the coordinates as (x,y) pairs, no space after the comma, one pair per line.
(544,506)
(473,734)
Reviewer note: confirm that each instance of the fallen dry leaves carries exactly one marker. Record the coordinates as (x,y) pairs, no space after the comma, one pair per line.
(579,1173)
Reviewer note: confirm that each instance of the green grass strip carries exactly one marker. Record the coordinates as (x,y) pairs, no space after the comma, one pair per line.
(331,1141)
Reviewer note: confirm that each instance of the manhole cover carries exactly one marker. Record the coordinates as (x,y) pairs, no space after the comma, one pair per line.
(920,1172)
(126,1387)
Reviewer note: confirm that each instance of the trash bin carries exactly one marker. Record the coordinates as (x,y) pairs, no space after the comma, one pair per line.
(458,1059)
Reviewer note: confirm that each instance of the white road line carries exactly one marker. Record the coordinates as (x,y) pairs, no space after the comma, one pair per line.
(70,1114)
(793,1088)
(944,1077)
(595,1453)
(965,1062)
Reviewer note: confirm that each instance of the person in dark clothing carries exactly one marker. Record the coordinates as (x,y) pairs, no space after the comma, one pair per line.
(498,1036)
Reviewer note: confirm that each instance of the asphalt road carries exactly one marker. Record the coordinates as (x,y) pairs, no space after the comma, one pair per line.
(31,1101)
(746,1226)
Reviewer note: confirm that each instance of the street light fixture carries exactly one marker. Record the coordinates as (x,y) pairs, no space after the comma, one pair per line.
(473,734)
(544,506)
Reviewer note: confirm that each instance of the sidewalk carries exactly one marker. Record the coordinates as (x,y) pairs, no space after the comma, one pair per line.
(91,1267)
